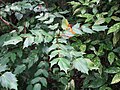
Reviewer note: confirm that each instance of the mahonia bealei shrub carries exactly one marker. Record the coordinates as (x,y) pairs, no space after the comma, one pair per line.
(101,48)
(35,43)
(41,49)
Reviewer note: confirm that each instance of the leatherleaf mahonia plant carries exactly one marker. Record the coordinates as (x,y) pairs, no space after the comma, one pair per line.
(41,48)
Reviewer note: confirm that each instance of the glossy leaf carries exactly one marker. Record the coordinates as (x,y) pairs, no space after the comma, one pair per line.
(65,24)
(64,64)
(81,65)
(19,69)
(37,86)
(86,29)
(13,40)
(8,80)
(114,28)
(28,41)
(116,78)
(53,27)
(3,68)
(43,81)
(99,28)
(111,57)
(112,70)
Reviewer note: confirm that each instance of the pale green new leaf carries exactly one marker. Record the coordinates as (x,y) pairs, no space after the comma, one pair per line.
(116,78)
(111,57)
(8,80)
(115,18)
(114,28)
(64,24)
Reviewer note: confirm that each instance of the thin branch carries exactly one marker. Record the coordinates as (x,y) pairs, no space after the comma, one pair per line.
(7,23)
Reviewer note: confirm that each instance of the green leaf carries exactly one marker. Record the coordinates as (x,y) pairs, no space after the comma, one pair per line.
(29,87)
(35,80)
(83,48)
(19,69)
(108,19)
(64,80)
(8,80)
(13,40)
(18,15)
(60,52)
(28,41)
(52,47)
(117,50)
(81,65)
(53,27)
(104,87)
(15,8)
(54,61)
(115,18)
(91,64)
(111,57)
(116,37)
(49,21)
(13,57)
(88,16)
(86,29)
(45,17)
(116,78)
(27,6)
(99,28)
(112,70)
(3,68)
(114,28)
(100,21)
(37,86)
(65,24)
(76,29)
(38,36)
(43,81)
(41,72)
(64,64)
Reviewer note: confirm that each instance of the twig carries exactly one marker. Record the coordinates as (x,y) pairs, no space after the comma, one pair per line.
(7,23)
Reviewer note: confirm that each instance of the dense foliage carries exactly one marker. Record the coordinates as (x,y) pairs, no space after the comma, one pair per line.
(59,44)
